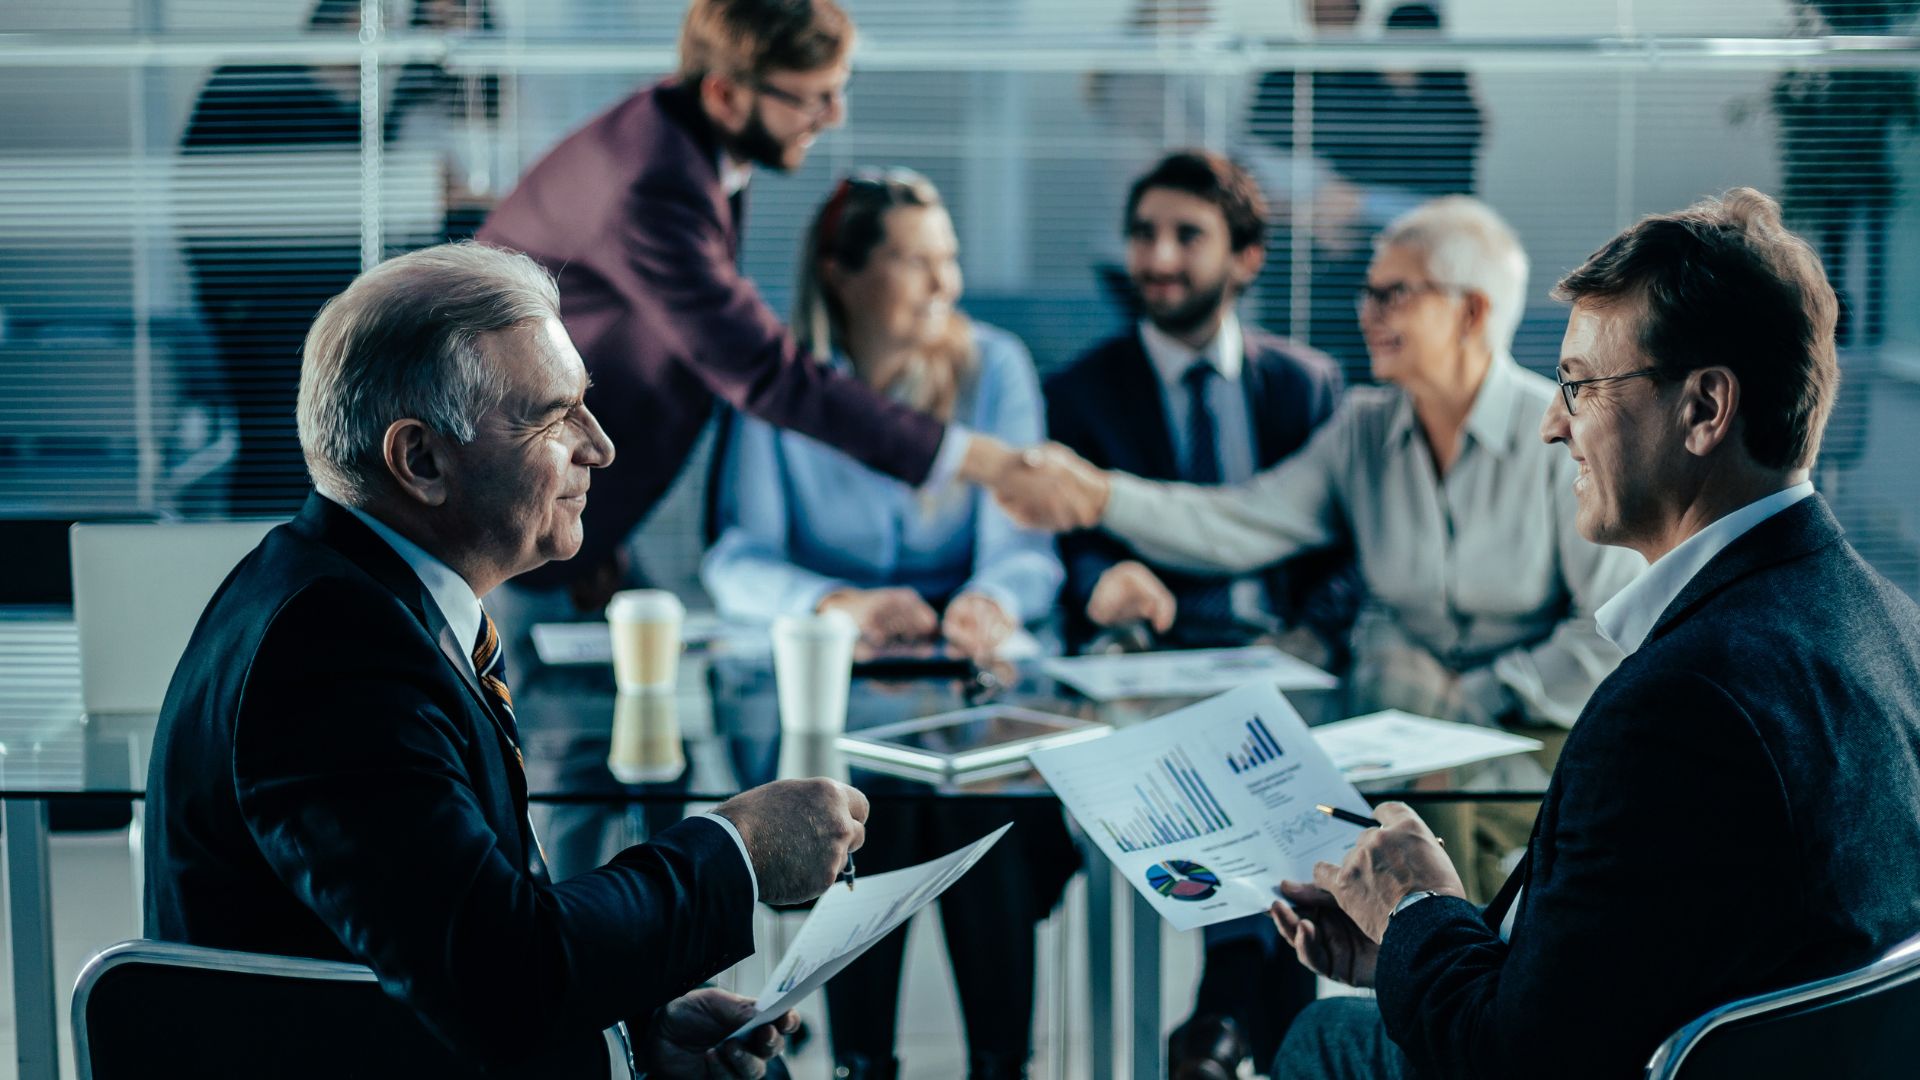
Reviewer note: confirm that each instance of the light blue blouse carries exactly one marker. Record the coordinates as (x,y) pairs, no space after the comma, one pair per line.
(799,520)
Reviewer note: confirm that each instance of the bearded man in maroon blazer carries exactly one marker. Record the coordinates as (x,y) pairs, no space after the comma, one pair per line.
(639,215)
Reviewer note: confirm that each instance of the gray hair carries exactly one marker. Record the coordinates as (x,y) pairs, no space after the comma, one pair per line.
(402,342)
(1468,246)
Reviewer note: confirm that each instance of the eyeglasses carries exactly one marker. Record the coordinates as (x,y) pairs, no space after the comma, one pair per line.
(812,110)
(1570,388)
(1394,298)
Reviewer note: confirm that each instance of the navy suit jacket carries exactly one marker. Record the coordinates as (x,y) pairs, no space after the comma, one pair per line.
(1737,810)
(630,216)
(1108,407)
(329,781)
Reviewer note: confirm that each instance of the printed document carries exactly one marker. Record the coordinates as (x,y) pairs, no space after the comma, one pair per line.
(1206,809)
(1185,672)
(1392,745)
(846,922)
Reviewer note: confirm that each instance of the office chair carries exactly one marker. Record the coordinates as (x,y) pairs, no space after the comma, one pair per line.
(156,1008)
(1857,1024)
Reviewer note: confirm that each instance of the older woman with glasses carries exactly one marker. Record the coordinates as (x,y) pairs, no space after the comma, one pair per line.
(1481,592)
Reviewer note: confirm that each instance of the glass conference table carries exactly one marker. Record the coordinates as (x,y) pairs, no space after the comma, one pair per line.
(716,735)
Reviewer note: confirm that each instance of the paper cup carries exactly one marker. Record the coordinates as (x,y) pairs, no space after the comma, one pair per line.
(812,669)
(646,739)
(646,638)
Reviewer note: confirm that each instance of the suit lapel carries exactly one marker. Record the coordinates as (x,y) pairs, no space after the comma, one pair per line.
(1262,412)
(1136,389)
(1800,529)
(334,526)
(1496,911)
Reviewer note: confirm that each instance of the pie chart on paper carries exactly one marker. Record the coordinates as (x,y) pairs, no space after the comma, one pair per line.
(1178,879)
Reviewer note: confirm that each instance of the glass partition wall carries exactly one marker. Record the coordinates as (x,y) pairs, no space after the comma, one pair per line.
(183,182)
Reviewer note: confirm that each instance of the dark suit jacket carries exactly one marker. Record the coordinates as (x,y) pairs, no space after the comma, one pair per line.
(630,216)
(1108,407)
(328,781)
(1737,810)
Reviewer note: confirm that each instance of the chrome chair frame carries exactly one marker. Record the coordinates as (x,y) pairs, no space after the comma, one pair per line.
(174,954)
(1899,966)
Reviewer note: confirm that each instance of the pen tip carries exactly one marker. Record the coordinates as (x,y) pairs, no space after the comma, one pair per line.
(1323,808)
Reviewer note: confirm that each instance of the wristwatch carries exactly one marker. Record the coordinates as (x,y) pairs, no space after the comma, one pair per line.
(1411,899)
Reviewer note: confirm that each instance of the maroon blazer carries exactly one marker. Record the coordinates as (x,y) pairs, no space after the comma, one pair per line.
(629,214)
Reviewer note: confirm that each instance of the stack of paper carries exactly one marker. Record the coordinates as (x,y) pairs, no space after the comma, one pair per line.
(1392,745)
(1185,673)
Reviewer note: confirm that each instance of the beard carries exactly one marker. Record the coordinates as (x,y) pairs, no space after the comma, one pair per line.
(757,145)
(1192,313)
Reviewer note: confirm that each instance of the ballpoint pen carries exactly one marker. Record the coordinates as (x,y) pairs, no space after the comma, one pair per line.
(1347,816)
(1361,820)
(846,873)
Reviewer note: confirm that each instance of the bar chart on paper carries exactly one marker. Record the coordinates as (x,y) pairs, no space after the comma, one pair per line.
(1260,748)
(1171,803)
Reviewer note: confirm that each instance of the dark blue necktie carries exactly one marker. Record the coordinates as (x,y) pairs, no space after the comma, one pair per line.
(1203,441)
(1209,602)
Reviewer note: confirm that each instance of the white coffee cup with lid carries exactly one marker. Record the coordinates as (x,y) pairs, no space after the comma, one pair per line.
(813,669)
(646,638)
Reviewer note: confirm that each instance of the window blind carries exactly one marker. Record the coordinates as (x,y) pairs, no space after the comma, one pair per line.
(182,182)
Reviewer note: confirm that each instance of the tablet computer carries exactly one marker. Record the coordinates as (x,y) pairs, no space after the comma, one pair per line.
(970,738)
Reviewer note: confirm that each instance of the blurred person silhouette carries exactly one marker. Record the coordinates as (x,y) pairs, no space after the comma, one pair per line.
(1377,144)
(258,294)
(803,527)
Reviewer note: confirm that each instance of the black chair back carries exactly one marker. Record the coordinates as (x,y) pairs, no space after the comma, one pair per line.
(151,1008)
(1859,1024)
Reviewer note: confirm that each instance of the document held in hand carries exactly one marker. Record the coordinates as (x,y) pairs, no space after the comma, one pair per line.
(846,922)
(1206,809)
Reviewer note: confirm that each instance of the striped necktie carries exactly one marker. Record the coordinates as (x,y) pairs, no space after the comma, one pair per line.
(490,664)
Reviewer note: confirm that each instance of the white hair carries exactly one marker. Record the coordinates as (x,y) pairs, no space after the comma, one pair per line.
(402,342)
(1468,246)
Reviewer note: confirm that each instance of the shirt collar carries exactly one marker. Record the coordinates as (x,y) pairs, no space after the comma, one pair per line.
(1630,615)
(1171,358)
(450,592)
(733,174)
(1489,420)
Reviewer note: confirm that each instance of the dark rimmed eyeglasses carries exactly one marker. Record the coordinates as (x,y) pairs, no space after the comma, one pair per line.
(1391,298)
(810,109)
(1570,388)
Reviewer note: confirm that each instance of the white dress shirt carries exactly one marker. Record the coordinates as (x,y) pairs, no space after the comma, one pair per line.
(1232,421)
(461,609)
(1234,437)
(1629,617)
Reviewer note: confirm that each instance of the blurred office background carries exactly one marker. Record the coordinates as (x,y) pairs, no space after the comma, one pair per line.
(182,182)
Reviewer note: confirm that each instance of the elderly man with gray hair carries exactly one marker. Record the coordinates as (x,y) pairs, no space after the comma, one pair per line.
(337,769)
(1481,591)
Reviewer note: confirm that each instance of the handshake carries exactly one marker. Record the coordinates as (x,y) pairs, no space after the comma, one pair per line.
(1047,487)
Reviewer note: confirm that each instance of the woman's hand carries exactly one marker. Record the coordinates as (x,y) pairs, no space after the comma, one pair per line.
(884,616)
(976,624)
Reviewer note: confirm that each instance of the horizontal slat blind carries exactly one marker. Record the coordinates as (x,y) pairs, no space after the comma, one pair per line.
(157,271)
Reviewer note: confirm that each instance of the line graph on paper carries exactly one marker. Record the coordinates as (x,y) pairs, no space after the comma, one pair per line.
(1308,831)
